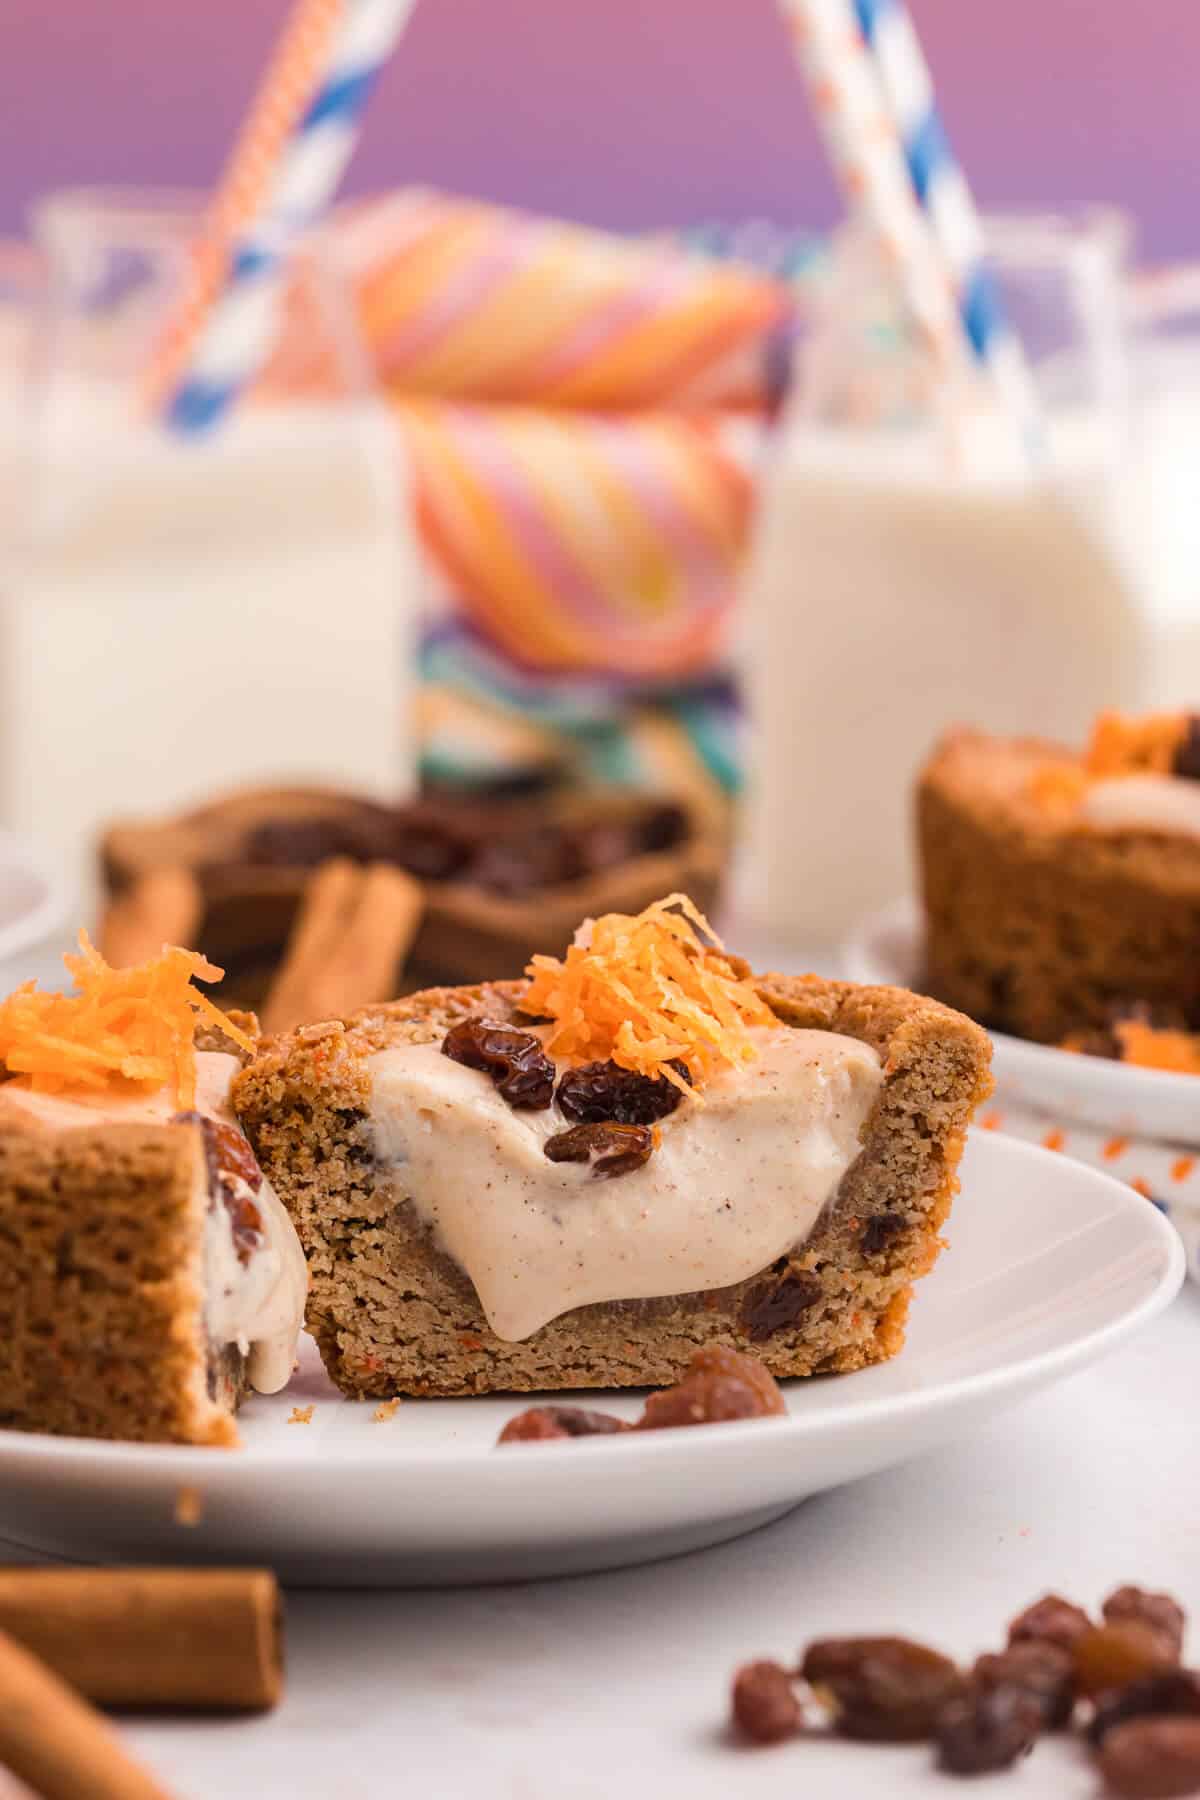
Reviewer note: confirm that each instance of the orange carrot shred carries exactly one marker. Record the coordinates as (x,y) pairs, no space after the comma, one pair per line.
(647,991)
(120,1026)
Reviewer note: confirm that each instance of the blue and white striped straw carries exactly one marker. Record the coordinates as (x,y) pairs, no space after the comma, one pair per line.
(942,192)
(239,330)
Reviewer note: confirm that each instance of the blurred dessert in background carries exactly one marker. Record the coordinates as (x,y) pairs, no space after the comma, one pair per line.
(1062,888)
(499,875)
(916,562)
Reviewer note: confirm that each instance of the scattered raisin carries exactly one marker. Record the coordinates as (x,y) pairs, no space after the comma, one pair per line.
(1162,1614)
(1186,760)
(599,1091)
(1040,1669)
(515,1060)
(522,862)
(662,828)
(1051,1620)
(541,1422)
(987,1728)
(885,1689)
(1111,1656)
(720,1384)
(1175,1694)
(1152,1759)
(611,1149)
(360,832)
(764,1703)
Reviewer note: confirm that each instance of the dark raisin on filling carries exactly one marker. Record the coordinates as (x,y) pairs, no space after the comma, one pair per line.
(234,1177)
(515,1060)
(597,1092)
(611,1149)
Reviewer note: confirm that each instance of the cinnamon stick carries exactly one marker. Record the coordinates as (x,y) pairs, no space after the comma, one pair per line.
(56,1743)
(152,1637)
(348,945)
(161,907)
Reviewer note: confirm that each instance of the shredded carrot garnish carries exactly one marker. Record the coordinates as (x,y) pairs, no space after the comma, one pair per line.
(120,1026)
(1121,746)
(1118,746)
(648,991)
(1057,787)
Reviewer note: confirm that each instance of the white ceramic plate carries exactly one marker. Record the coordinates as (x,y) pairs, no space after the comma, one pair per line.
(1088,1090)
(32,902)
(1049,1265)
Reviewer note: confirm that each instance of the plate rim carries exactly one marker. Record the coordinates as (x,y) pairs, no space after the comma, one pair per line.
(859,957)
(104,1456)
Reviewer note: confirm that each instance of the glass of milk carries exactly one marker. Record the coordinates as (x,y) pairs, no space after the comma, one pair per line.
(181,616)
(913,567)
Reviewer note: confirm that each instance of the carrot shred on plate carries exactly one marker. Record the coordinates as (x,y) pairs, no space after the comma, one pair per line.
(646,991)
(120,1026)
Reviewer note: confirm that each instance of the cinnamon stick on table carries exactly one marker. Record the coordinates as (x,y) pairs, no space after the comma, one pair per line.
(161,907)
(348,945)
(207,1638)
(56,1743)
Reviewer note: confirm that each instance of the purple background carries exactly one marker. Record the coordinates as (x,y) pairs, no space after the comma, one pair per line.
(628,113)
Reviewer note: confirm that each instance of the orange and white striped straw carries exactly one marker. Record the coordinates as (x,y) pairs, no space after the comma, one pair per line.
(277,108)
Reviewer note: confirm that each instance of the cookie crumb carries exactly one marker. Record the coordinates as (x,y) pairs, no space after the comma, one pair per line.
(189,1506)
(300,1415)
(386,1410)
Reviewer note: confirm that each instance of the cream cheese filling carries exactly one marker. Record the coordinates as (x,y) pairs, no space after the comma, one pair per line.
(257,1305)
(733,1184)
(1165,803)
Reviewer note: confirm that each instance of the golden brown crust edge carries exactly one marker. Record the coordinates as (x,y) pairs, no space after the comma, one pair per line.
(101,1284)
(1038,925)
(392,1315)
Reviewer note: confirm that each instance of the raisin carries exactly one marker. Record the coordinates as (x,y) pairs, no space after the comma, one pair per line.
(720,1384)
(541,1422)
(1162,1614)
(1186,760)
(599,1091)
(1040,1669)
(227,1151)
(764,1703)
(611,1149)
(773,1306)
(987,1728)
(1174,1693)
(1111,1656)
(880,1232)
(520,863)
(1152,1759)
(361,833)
(662,828)
(234,1177)
(1050,1620)
(515,1060)
(604,845)
(885,1689)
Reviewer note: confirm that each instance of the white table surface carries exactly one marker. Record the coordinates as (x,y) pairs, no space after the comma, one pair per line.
(617,1683)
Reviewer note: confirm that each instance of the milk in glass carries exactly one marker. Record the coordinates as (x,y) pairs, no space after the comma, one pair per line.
(183,616)
(901,583)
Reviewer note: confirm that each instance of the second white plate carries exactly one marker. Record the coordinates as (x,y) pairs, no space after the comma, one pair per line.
(1114,1097)
(1049,1265)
